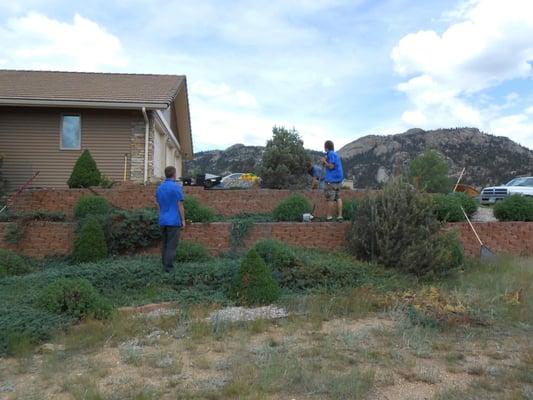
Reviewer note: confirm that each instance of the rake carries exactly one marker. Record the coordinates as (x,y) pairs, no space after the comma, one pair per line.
(485,254)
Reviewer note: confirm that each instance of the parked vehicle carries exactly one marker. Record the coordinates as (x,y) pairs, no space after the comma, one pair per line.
(522,186)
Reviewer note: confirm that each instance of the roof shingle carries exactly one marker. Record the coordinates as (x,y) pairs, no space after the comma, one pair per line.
(88,86)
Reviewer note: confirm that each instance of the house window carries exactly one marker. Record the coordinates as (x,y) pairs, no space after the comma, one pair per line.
(70,132)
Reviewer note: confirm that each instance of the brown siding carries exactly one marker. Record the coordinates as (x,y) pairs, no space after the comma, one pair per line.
(29,140)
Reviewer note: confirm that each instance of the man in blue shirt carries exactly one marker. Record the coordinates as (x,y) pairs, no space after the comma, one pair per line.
(169,196)
(334,177)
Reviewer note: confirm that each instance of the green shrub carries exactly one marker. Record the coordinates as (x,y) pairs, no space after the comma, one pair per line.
(196,211)
(191,252)
(253,283)
(14,232)
(448,207)
(37,215)
(26,322)
(130,230)
(514,208)
(349,209)
(398,228)
(76,298)
(90,244)
(292,208)
(85,172)
(280,257)
(91,205)
(12,264)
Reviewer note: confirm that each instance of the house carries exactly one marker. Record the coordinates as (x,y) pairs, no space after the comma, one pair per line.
(133,124)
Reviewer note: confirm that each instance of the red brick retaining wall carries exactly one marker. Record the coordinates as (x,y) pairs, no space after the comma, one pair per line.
(130,196)
(43,239)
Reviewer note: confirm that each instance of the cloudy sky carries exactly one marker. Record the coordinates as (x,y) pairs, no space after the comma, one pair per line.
(334,69)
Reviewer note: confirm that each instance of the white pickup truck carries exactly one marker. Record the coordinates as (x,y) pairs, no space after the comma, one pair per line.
(522,186)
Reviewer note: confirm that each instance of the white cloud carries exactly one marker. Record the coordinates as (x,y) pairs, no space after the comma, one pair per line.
(217,128)
(488,43)
(223,94)
(38,42)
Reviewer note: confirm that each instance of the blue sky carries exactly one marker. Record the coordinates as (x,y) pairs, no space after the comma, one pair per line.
(333,69)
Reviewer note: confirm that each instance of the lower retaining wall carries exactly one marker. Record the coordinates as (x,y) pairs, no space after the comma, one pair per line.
(131,196)
(43,239)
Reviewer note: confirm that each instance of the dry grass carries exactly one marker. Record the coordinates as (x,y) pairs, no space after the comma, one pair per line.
(358,344)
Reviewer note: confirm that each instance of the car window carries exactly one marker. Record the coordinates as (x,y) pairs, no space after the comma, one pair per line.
(528,182)
(517,182)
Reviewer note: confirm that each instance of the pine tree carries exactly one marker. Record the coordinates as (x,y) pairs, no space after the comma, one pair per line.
(253,283)
(85,172)
(90,244)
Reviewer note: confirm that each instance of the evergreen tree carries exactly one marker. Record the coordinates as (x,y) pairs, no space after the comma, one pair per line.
(284,160)
(429,172)
(85,172)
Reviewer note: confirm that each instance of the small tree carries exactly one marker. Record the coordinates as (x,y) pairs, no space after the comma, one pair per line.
(398,228)
(254,284)
(429,172)
(85,172)
(90,244)
(284,159)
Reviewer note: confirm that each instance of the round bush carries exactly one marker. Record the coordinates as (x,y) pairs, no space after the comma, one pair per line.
(292,208)
(74,297)
(196,211)
(277,255)
(90,244)
(191,252)
(85,172)
(91,205)
(253,283)
(514,208)
(12,264)
(448,207)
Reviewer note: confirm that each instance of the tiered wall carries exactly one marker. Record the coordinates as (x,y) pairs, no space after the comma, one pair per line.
(130,196)
(44,239)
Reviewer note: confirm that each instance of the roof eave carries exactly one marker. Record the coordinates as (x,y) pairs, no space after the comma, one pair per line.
(125,105)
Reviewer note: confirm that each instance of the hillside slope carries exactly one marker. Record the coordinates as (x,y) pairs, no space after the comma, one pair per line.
(371,160)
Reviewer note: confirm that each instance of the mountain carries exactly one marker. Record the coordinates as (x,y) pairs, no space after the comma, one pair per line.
(236,158)
(371,160)
(488,159)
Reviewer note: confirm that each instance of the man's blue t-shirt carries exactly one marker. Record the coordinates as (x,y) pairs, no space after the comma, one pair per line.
(336,174)
(168,194)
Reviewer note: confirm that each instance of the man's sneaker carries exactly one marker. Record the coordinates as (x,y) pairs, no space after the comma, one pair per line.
(340,219)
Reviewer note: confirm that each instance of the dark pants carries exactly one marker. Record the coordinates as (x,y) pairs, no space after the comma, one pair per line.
(170,236)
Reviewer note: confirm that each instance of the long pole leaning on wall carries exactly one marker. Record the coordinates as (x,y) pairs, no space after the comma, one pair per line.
(125,166)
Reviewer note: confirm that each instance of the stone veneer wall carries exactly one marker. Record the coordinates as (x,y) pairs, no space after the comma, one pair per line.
(44,239)
(132,196)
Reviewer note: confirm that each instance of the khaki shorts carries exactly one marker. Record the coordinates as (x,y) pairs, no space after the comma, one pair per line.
(332,191)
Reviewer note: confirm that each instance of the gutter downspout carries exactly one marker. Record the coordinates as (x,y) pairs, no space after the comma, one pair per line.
(146,134)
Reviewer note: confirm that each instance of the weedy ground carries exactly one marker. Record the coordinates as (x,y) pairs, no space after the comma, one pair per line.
(468,337)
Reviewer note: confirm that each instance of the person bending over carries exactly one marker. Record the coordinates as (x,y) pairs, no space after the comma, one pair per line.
(169,196)
(333,178)
(317,175)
